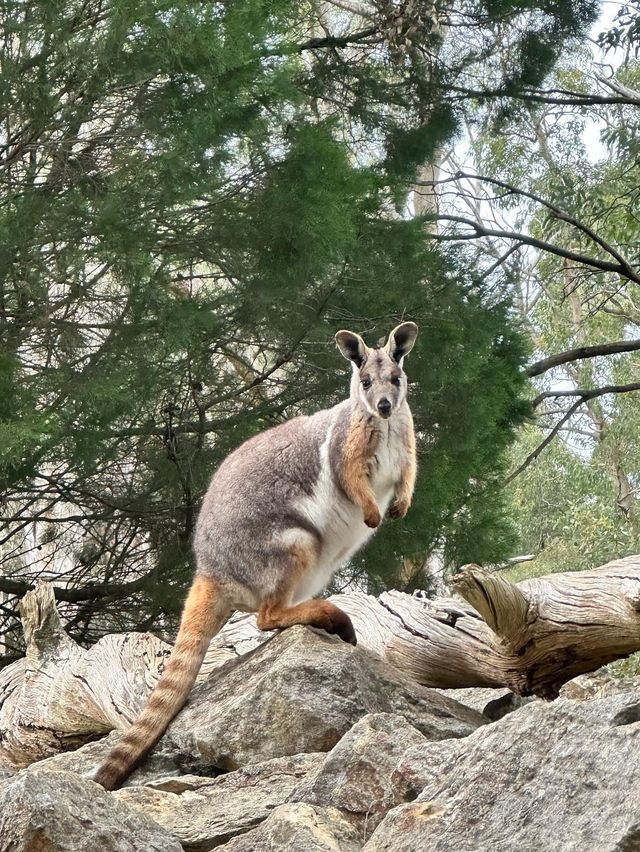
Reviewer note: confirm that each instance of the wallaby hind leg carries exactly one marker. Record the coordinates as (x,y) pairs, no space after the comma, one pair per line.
(276,610)
(274,614)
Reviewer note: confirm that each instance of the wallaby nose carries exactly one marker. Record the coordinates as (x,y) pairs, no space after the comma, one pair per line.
(384,407)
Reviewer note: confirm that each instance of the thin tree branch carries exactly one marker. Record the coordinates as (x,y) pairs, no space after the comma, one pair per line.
(318,43)
(586,395)
(89,592)
(583,395)
(560,214)
(579,353)
(558,97)
(534,455)
(355,7)
(482,231)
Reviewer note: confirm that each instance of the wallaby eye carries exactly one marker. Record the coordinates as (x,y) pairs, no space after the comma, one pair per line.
(395,380)
(366,383)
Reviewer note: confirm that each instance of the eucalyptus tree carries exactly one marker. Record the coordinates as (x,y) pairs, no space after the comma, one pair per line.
(550,205)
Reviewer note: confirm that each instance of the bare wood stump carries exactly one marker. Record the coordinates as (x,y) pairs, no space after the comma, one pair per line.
(530,637)
(61,695)
(550,629)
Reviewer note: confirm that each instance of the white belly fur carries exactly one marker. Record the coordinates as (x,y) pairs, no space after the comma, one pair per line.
(339,521)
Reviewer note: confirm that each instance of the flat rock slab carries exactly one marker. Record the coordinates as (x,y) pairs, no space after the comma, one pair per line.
(203,813)
(554,778)
(299,828)
(492,703)
(356,777)
(85,760)
(301,691)
(59,812)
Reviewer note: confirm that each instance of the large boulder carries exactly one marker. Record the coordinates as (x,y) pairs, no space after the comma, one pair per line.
(299,828)
(59,812)
(301,691)
(357,775)
(549,777)
(203,813)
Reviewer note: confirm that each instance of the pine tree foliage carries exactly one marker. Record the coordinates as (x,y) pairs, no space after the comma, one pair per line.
(193,198)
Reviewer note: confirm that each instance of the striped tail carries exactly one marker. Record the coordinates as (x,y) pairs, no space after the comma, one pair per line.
(205,611)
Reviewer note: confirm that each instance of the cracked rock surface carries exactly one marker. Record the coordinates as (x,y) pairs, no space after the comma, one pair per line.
(306,744)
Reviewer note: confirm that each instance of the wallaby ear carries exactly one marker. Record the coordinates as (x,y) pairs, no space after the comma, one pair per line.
(401,340)
(352,347)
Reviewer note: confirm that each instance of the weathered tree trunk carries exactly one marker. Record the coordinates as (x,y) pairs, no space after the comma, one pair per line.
(531,637)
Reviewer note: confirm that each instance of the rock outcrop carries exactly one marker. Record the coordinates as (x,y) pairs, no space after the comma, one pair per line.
(203,813)
(530,638)
(299,828)
(357,776)
(559,776)
(60,812)
(301,692)
(306,744)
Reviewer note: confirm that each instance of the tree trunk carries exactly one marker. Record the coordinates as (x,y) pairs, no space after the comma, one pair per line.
(531,637)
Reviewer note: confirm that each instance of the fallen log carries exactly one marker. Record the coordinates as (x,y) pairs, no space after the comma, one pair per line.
(531,637)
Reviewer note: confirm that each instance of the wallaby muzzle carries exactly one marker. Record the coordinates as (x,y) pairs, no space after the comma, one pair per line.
(384,408)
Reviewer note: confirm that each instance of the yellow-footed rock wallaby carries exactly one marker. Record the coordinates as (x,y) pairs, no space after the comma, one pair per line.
(282,512)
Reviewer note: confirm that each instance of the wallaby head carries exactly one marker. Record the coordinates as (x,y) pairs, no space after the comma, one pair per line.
(378,382)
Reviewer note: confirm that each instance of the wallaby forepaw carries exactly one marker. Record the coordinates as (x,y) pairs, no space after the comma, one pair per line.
(372,517)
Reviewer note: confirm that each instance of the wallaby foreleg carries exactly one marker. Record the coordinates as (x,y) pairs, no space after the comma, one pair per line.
(359,449)
(404,489)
